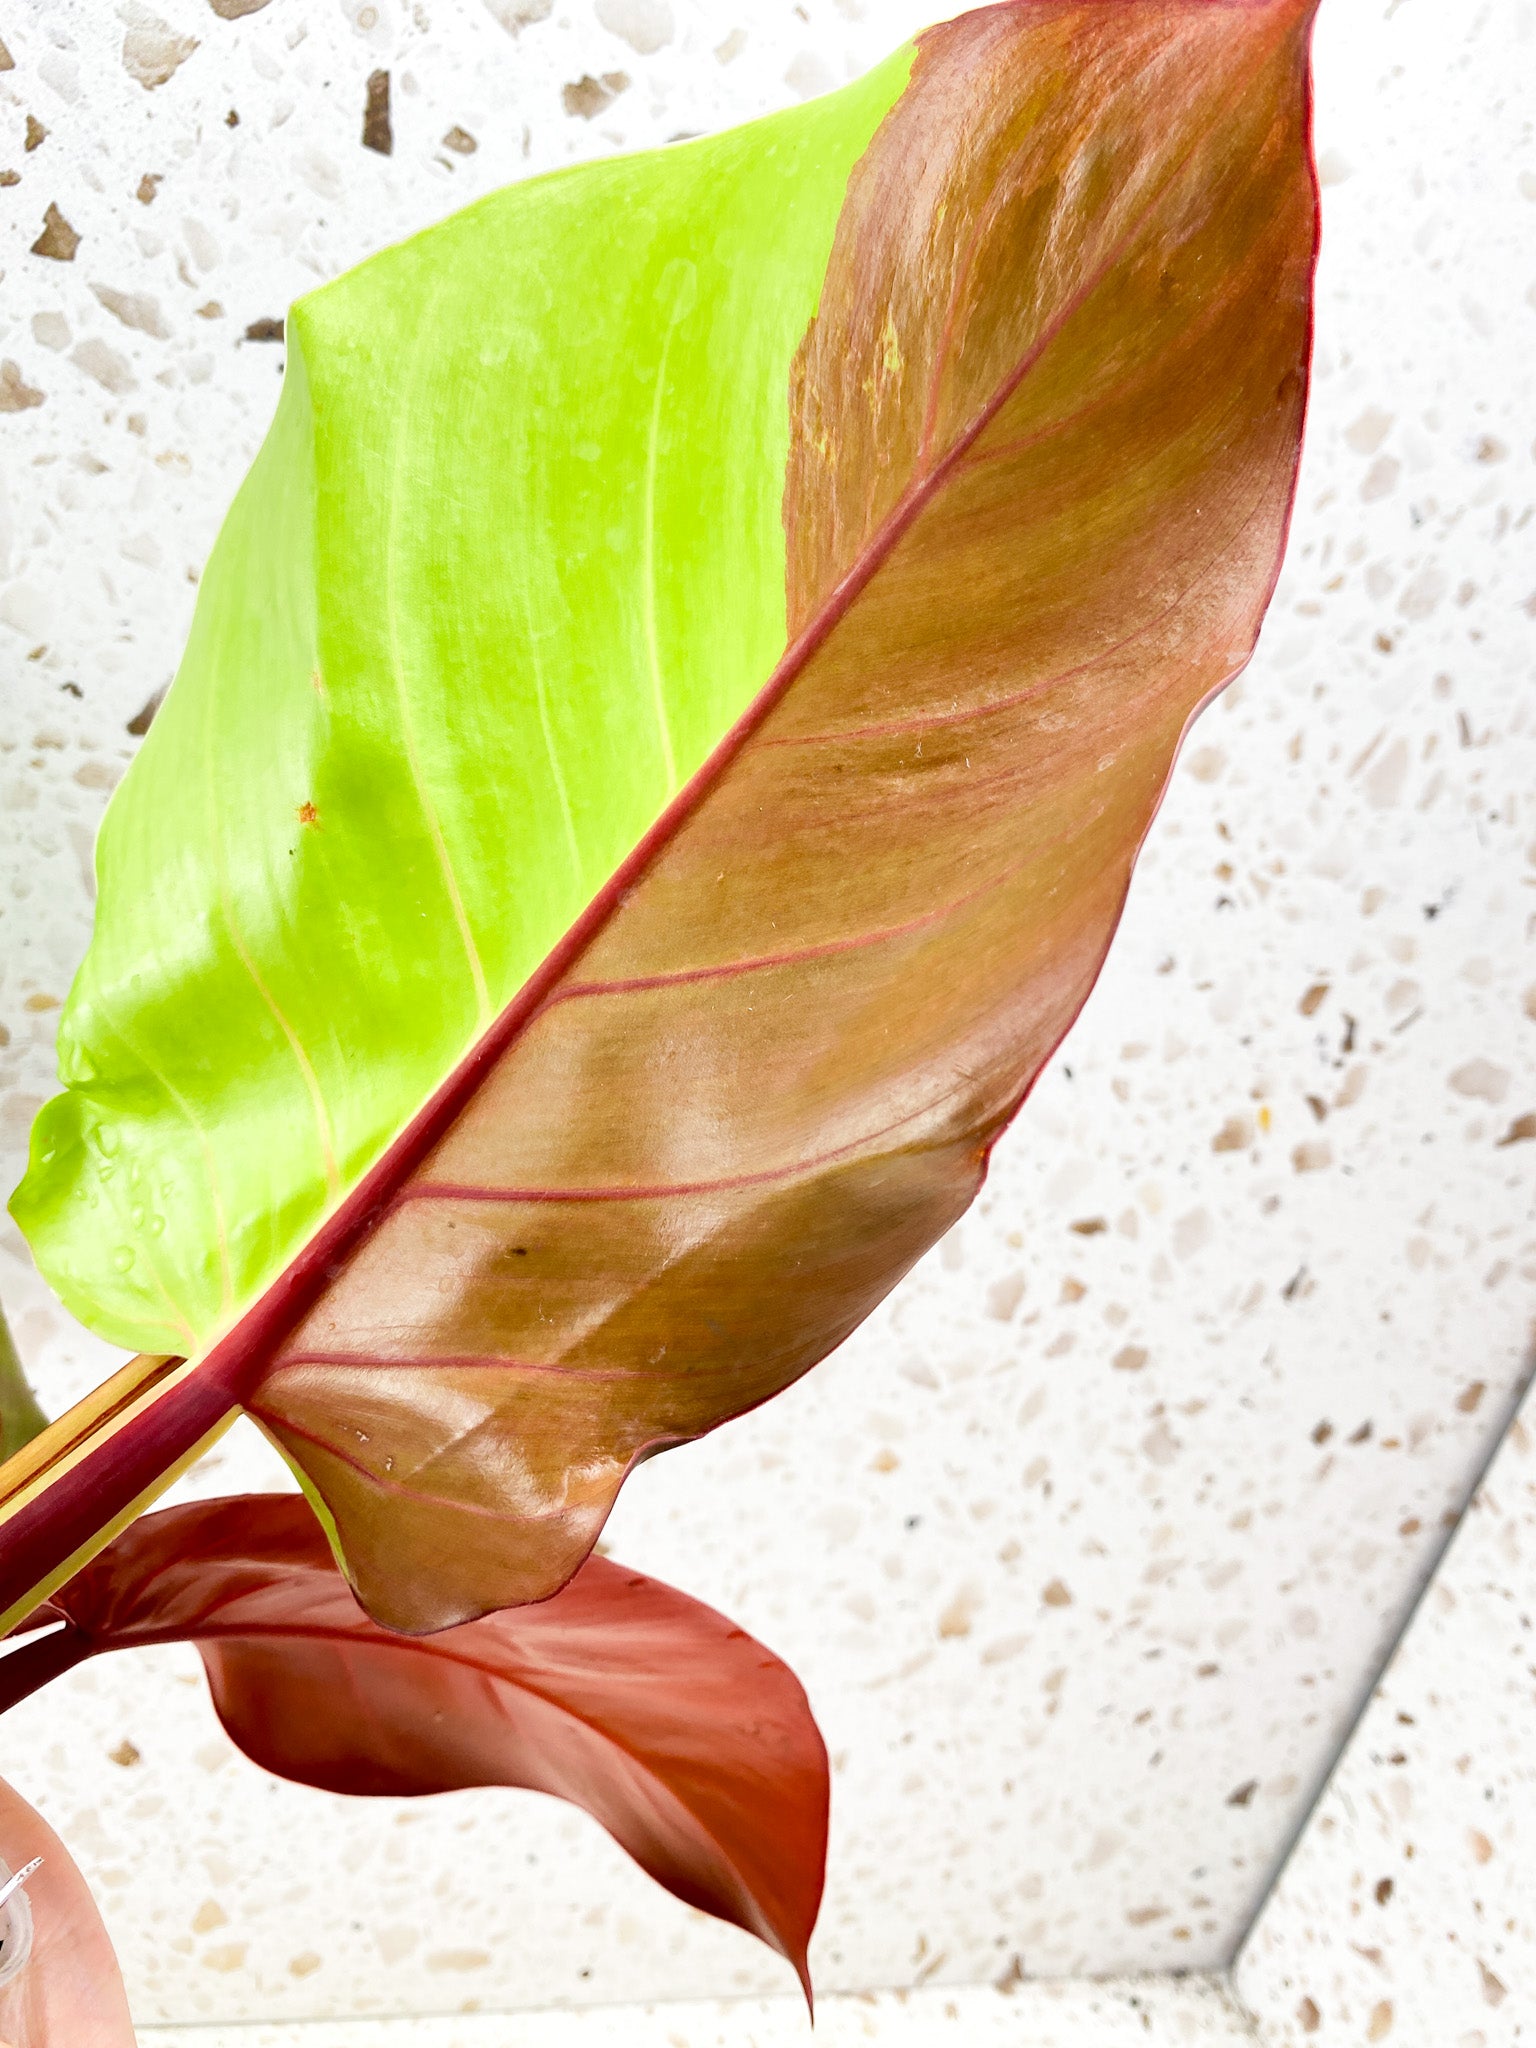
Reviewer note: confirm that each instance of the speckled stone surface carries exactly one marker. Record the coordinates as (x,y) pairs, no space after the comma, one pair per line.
(1135,2013)
(1408,1913)
(1090,1543)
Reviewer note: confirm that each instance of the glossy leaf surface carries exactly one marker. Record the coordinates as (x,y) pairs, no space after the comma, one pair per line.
(70,1994)
(1041,445)
(692,1744)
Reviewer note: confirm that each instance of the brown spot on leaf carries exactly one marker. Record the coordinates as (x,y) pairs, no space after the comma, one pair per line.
(1243,1793)
(1520,1130)
(36,133)
(144,718)
(126,1753)
(460,141)
(1313,998)
(149,185)
(266,329)
(16,394)
(307,814)
(588,96)
(58,239)
(378,132)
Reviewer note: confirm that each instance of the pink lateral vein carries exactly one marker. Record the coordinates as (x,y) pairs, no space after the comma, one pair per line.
(385,1482)
(966,714)
(797,956)
(474,1191)
(378,1361)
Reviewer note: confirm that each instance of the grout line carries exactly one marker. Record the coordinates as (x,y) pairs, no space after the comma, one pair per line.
(1249,2021)
(1499,1437)
(1197,2009)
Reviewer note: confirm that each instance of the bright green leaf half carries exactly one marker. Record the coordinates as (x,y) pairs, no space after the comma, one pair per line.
(509,564)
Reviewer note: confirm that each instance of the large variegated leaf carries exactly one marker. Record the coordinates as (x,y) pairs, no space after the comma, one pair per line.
(1015,337)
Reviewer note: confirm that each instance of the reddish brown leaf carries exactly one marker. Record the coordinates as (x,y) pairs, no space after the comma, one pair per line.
(692,1744)
(70,1994)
